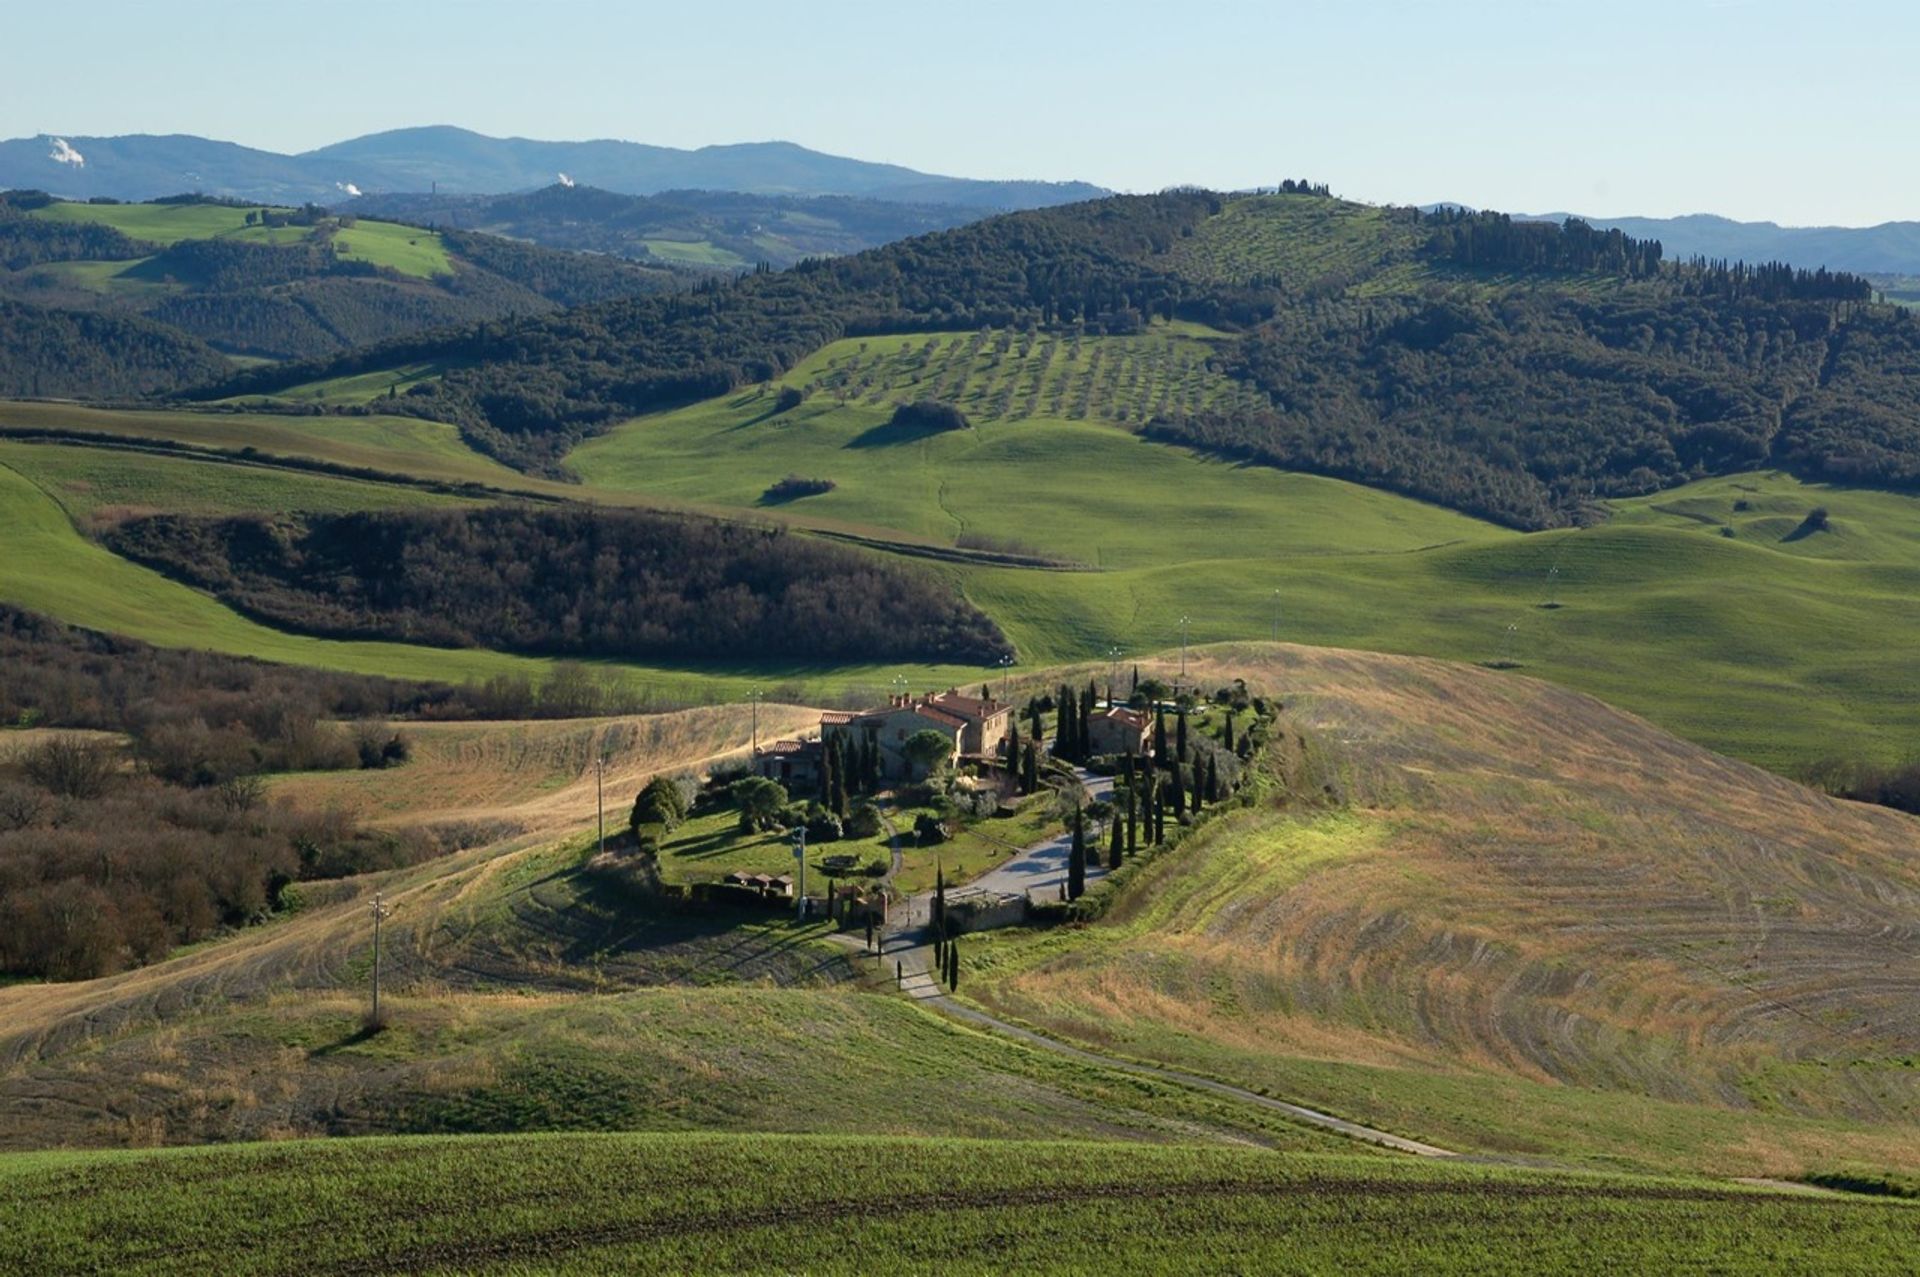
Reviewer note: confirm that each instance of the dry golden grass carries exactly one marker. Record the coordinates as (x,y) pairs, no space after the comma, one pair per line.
(1523,884)
(538,776)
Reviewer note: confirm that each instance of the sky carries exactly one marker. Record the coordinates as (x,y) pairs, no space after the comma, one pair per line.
(1783,110)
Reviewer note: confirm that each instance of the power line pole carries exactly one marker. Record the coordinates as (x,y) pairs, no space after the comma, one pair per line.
(800,854)
(1183,649)
(1006,668)
(380,912)
(600,796)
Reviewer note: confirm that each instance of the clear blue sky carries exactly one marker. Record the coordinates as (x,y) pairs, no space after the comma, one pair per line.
(1790,111)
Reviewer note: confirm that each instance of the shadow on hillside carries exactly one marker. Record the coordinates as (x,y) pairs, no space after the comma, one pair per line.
(891,434)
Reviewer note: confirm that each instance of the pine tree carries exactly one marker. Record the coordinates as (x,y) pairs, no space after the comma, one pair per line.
(1077,858)
(1114,847)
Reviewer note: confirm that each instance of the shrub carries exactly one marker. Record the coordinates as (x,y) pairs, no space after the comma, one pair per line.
(929,415)
(70,767)
(864,821)
(660,803)
(929,830)
(793,487)
(788,398)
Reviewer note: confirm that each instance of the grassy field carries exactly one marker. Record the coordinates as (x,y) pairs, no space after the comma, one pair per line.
(99,484)
(405,249)
(567,1204)
(1533,926)
(1777,647)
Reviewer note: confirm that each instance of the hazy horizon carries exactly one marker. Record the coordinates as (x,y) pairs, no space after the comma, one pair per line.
(1754,110)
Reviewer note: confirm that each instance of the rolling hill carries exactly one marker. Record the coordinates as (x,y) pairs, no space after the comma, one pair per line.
(1512,370)
(706,230)
(255,283)
(1501,916)
(144,167)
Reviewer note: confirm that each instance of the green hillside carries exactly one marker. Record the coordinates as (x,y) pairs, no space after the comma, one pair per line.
(580,1204)
(276,283)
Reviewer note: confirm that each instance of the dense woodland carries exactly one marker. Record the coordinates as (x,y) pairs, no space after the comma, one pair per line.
(1537,367)
(571,583)
(114,849)
(45,351)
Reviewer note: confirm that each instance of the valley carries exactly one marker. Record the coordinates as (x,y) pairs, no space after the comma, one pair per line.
(562,716)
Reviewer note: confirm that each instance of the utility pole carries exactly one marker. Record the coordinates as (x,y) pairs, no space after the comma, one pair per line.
(800,854)
(1114,653)
(380,912)
(1006,667)
(600,796)
(1183,649)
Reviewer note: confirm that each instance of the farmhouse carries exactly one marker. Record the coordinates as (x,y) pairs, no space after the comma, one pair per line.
(1119,730)
(975,726)
(794,763)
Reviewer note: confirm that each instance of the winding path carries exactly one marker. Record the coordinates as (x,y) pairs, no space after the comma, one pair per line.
(1043,867)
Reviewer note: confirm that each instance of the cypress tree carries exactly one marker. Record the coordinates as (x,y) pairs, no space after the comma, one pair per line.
(1179,793)
(1077,858)
(1157,812)
(1133,808)
(1012,750)
(1180,736)
(1160,735)
(1030,769)
(1086,720)
(828,748)
(1114,848)
(1213,779)
(1063,723)
(1136,680)
(953,967)
(939,918)
(1230,714)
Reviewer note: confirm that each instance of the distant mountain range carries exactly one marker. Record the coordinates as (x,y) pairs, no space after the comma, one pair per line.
(143,166)
(1892,248)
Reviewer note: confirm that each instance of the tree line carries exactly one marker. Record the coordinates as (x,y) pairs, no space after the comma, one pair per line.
(570,582)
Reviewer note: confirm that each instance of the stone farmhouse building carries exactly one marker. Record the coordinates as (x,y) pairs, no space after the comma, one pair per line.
(976,727)
(1120,730)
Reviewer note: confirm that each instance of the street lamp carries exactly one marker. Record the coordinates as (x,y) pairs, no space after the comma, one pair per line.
(1006,667)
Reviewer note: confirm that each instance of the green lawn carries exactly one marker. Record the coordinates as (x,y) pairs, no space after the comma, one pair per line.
(406,249)
(670,1204)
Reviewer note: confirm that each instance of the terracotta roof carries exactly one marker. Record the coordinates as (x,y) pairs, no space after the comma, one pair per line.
(836,717)
(790,747)
(971,708)
(939,715)
(1132,717)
